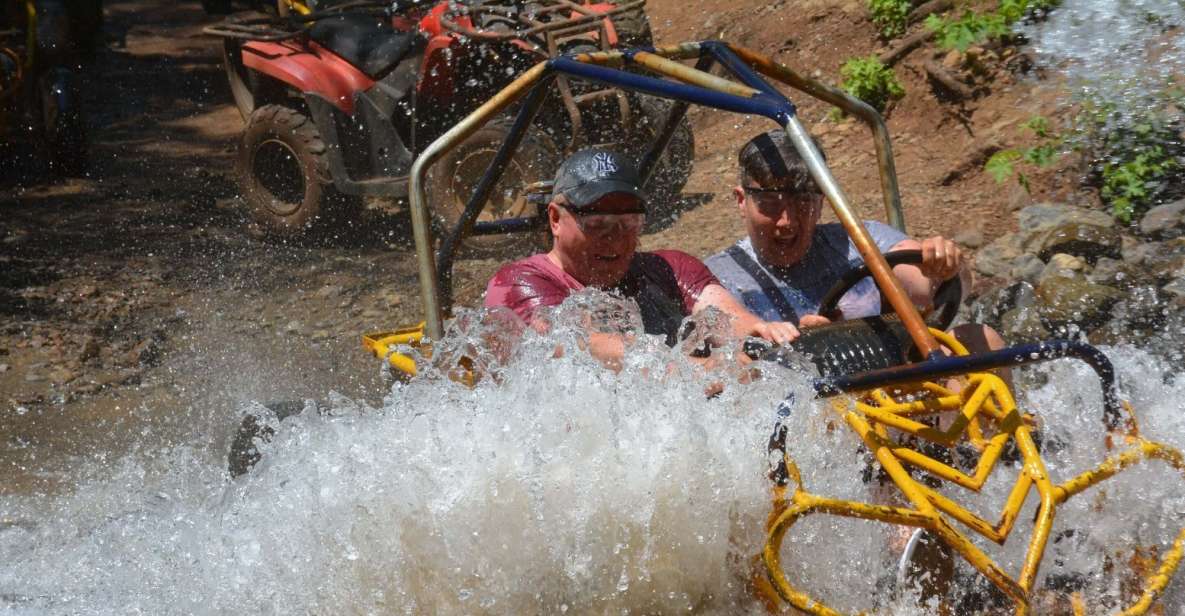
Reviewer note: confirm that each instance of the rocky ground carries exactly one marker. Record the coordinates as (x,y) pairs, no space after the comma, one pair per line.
(133,302)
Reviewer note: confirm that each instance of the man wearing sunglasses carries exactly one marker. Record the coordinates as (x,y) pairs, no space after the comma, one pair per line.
(595,215)
(788,261)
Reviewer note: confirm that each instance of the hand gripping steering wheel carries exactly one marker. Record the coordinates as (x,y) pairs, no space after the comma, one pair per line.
(946,299)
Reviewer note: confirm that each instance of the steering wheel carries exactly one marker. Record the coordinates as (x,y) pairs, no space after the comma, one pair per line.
(947,297)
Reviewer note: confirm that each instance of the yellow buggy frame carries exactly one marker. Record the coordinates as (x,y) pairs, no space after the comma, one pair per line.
(888,406)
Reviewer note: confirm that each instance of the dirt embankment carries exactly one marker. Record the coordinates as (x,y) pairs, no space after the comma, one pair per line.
(131,301)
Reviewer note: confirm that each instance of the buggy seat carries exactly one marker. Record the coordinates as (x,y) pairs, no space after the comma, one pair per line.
(370,44)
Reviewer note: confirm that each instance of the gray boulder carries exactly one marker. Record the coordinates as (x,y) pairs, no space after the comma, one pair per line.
(1062,301)
(1079,239)
(1039,218)
(1021,325)
(1164,221)
(996,258)
(1027,267)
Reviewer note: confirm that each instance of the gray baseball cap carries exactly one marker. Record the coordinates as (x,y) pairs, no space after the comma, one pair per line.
(593,173)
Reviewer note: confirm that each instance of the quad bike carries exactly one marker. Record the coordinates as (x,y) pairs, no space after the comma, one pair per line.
(887,376)
(42,43)
(339,100)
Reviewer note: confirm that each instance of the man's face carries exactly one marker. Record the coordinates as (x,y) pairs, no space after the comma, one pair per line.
(596,249)
(780,222)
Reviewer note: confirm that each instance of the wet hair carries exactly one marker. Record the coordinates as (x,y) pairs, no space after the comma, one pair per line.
(769,160)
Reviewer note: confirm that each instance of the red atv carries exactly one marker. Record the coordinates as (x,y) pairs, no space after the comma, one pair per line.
(339,101)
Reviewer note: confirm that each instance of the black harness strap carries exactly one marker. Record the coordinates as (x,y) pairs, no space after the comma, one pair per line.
(768,286)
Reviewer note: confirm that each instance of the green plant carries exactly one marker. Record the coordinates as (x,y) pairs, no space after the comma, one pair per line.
(972,28)
(1003,164)
(1131,186)
(1133,153)
(890,16)
(869,80)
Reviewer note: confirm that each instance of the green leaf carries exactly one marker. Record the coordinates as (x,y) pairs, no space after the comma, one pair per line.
(1000,166)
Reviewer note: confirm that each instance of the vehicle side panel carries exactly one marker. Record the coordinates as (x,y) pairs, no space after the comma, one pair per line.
(309,68)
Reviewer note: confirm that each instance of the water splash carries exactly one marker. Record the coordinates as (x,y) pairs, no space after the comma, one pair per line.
(556,487)
(1114,53)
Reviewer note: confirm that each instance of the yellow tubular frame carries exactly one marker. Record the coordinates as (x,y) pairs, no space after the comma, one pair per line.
(985,396)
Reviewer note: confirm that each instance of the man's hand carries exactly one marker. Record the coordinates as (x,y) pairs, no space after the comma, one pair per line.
(778,332)
(941,258)
(782,332)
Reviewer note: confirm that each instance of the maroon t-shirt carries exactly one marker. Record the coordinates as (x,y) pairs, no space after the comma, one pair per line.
(665,283)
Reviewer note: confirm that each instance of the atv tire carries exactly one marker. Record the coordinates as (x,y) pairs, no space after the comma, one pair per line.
(633,29)
(283,171)
(674,166)
(452,179)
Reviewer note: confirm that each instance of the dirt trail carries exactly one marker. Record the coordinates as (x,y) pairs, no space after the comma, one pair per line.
(133,302)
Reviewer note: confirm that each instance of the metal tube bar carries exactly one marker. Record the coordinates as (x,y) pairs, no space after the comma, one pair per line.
(758,103)
(890,287)
(485,186)
(890,191)
(692,76)
(418,198)
(962,364)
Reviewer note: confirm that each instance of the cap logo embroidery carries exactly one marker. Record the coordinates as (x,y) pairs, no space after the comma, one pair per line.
(604,163)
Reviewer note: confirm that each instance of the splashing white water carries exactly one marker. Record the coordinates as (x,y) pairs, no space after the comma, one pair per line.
(1116,52)
(561,488)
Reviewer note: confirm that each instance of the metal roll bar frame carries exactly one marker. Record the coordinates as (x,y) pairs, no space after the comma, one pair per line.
(686,85)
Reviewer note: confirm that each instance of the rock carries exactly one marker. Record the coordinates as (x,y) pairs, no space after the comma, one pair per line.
(1021,325)
(953,59)
(321,334)
(392,299)
(1062,264)
(1027,267)
(328,291)
(33,378)
(1035,221)
(989,307)
(1063,301)
(996,258)
(61,376)
(1176,288)
(90,350)
(1164,221)
(292,327)
(1112,272)
(1080,239)
(144,353)
(4,368)
(971,238)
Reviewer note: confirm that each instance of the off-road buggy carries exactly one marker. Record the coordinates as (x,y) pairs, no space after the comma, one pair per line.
(339,100)
(888,378)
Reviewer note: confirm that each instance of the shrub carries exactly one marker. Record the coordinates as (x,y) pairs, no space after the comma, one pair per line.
(972,28)
(869,80)
(1003,164)
(890,16)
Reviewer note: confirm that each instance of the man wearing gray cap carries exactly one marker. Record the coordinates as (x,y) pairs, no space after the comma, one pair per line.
(596,213)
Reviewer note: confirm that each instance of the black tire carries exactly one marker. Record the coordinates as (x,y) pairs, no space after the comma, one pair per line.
(283,171)
(216,7)
(633,29)
(674,166)
(452,179)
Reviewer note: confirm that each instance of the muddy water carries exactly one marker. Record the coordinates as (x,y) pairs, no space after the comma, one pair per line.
(554,486)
